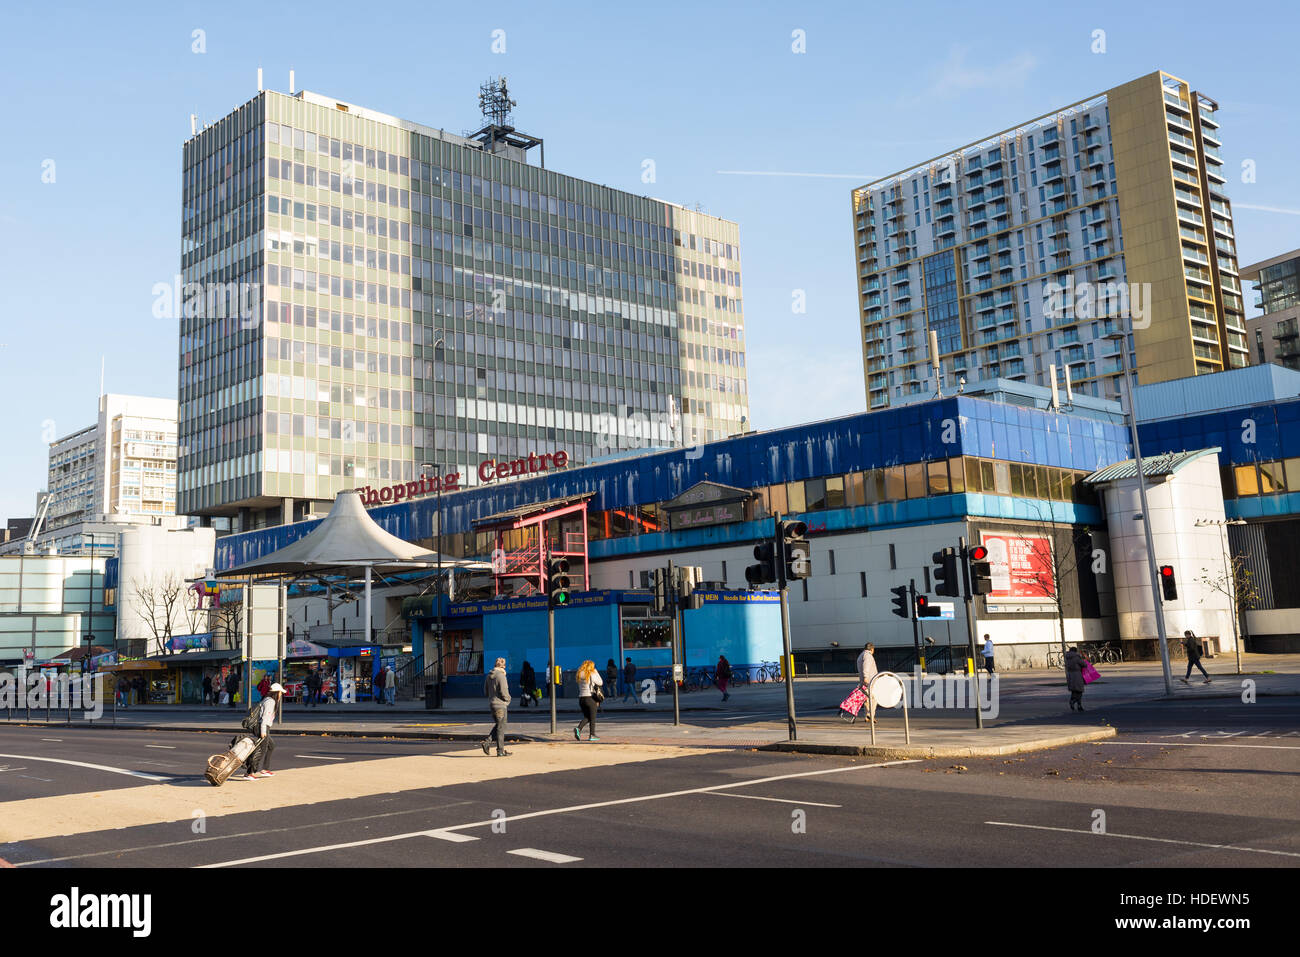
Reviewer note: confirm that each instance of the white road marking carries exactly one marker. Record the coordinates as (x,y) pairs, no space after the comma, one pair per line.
(318,757)
(447,836)
(165,747)
(156,778)
(35,778)
(230,837)
(1140,837)
(544,855)
(755,797)
(52,739)
(1192,744)
(559,810)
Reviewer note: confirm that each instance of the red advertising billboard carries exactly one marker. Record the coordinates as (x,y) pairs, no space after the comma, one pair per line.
(1020,567)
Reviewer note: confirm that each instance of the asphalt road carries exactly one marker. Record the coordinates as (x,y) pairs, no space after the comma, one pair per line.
(1204,784)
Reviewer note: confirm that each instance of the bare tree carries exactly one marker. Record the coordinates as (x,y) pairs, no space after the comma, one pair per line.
(157,600)
(1058,554)
(1237,582)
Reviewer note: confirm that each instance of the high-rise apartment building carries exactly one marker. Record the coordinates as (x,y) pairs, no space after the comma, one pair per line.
(378,295)
(1275,335)
(1026,250)
(125,464)
(122,469)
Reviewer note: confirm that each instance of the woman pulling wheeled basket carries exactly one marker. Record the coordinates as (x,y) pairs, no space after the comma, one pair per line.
(861,694)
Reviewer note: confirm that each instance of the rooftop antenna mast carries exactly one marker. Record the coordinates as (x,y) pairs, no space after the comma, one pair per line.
(498,134)
(494,102)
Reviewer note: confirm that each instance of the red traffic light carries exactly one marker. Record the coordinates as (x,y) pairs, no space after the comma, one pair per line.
(1167,571)
(922,601)
(978,553)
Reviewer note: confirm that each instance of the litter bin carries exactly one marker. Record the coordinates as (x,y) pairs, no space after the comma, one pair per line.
(430,697)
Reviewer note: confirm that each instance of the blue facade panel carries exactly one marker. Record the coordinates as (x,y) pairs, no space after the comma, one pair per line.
(915,433)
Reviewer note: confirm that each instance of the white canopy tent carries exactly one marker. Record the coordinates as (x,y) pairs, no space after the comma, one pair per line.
(348,543)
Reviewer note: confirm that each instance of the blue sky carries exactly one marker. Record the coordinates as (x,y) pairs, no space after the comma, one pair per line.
(699,88)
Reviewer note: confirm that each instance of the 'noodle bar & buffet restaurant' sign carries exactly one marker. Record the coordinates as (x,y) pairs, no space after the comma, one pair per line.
(488,471)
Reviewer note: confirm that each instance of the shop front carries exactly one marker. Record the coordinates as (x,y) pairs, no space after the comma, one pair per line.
(347,671)
(600,626)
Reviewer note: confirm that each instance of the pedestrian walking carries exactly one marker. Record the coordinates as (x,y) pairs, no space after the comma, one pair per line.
(232,685)
(589,698)
(723,675)
(1193,646)
(123,692)
(207,688)
(1074,663)
(258,722)
(380,680)
(988,654)
(390,687)
(264,686)
(629,680)
(497,689)
(527,684)
(312,684)
(867,671)
(138,686)
(611,675)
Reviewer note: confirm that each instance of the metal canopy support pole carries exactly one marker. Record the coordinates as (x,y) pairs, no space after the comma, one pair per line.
(437,671)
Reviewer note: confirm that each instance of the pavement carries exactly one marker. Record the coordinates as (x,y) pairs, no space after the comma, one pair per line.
(1027,712)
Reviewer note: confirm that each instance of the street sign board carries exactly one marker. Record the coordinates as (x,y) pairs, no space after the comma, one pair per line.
(945,609)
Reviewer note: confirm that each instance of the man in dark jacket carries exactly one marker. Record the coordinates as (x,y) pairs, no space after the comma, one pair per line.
(629,680)
(232,685)
(313,686)
(1193,646)
(497,689)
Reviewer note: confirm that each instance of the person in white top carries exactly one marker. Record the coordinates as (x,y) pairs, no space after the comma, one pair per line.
(588,681)
(259,721)
(867,671)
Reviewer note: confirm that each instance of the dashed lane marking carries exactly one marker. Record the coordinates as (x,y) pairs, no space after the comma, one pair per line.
(450,836)
(164,747)
(318,757)
(539,855)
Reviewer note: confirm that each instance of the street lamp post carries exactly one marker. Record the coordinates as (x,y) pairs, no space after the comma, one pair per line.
(1222,524)
(438,344)
(1146,512)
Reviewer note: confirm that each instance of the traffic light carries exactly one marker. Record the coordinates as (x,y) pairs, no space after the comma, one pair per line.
(981,582)
(765,570)
(945,573)
(796,552)
(1167,582)
(924,609)
(557,582)
(900,602)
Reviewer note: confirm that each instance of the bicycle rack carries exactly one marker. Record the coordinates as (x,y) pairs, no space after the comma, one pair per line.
(907,729)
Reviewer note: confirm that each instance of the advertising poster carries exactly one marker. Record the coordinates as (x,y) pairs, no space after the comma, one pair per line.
(1020,567)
